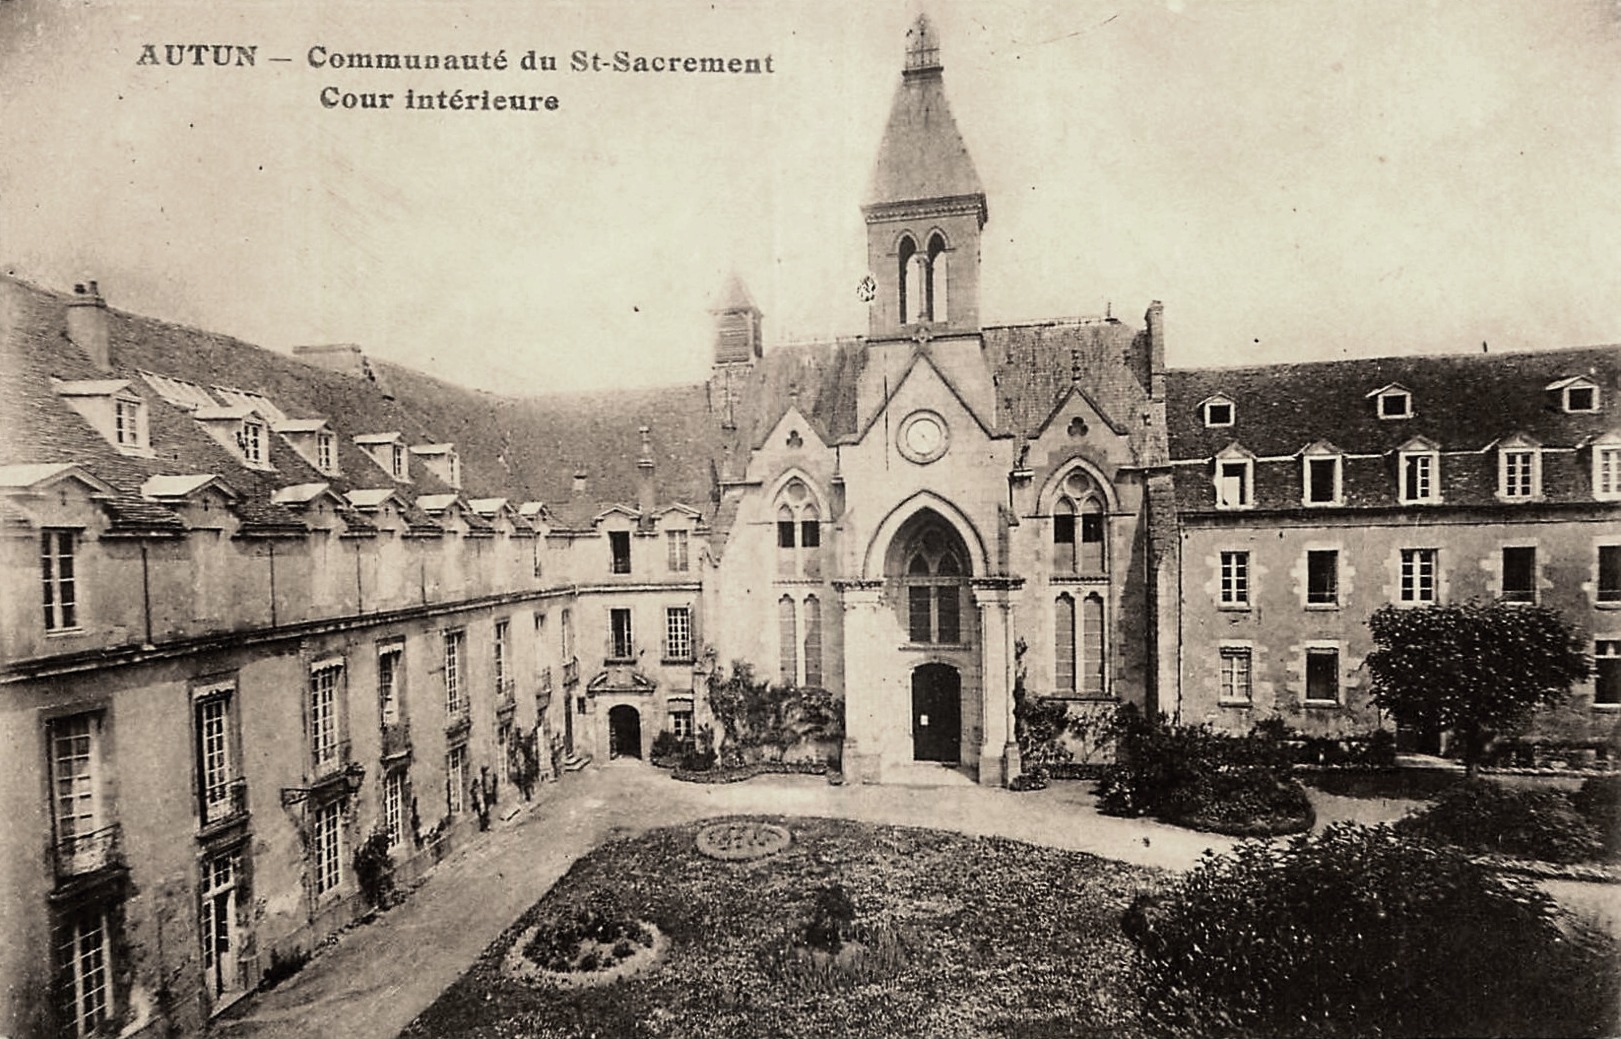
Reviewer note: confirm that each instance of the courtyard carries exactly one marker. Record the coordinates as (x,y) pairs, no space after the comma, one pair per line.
(378,978)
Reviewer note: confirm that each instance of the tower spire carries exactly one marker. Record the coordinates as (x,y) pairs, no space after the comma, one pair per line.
(922,48)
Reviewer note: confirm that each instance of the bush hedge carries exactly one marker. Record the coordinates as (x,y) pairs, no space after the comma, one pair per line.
(1249,802)
(1489,818)
(1361,931)
(1599,801)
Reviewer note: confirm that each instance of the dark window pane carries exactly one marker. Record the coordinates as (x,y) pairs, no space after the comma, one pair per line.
(1322,479)
(785,533)
(917,601)
(1064,529)
(810,533)
(619,544)
(1609,573)
(1323,674)
(1322,577)
(950,622)
(1519,574)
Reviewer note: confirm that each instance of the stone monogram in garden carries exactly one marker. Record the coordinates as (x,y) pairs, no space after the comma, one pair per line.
(742,841)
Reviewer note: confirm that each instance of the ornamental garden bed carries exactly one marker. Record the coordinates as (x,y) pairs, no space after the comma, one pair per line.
(852,929)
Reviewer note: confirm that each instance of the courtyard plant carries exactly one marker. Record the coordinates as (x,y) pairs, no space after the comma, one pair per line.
(1484,817)
(1361,931)
(757,720)
(1477,668)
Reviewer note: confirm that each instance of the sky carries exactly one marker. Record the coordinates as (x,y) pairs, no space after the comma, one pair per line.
(1294,179)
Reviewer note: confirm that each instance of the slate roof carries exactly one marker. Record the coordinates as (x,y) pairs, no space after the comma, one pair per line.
(922,155)
(1465,403)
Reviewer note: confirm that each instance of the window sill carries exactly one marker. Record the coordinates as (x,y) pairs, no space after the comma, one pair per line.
(617,661)
(1607,604)
(1234,607)
(676,661)
(1243,705)
(1607,707)
(1321,705)
(64,633)
(923,647)
(1322,606)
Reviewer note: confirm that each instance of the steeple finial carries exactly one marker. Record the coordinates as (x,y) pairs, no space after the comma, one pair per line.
(922,47)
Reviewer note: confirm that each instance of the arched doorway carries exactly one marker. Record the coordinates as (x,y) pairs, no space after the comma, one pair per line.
(936,713)
(624,732)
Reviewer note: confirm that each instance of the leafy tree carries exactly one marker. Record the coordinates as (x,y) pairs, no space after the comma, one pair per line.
(1475,668)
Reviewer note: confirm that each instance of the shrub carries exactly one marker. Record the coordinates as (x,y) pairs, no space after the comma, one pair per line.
(1249,802)
(374,871)
(1360,931)
(282,966)
(1599,801)
(832,918)
(1156,761)
(599,919)
(1485,817)
(666,746)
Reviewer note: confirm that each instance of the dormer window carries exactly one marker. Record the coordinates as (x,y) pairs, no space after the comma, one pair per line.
(1607,468)
(129,422)
(1577,395)
(250,440)
(1418,467)
(1519,470)
(1235,478)
(1322,476)
(326,452)
(1218,412)
(114,410)
(397,462)
(1395,403)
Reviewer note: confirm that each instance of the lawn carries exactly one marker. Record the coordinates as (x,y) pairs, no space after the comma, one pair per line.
(999,938)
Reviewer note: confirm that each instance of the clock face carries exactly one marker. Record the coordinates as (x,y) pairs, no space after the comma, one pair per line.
(923,437)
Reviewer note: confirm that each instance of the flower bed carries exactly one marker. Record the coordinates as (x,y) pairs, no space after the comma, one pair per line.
(743,772)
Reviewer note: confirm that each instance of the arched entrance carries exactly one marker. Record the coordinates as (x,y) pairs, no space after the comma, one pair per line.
(624,732)
(936,713)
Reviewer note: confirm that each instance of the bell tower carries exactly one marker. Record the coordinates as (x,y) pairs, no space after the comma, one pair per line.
(925,209)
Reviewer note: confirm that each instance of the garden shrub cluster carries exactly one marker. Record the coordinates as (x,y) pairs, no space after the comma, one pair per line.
(1484,817)
(1599,801)
(1194,776)
(592,935)
(1362,931)
(374,871)
(760,722)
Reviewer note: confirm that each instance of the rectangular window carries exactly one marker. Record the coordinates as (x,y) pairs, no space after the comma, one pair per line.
(676,542)
(787,642)
(83,839)
(388,682)
(325,453)
(1607,473)
(1417,477)
(681,725)
(1520,574)
(1418,575)
(1322,481)
(1607,672)
(1236,684)
(252,441)
(1233,484)
(1091,665)
(1063,528)
(949,609)
(1323,577)
(1064,645)
(397,461)
(1235,578)
(678,633)
(217,922)
(456,777)
(785,533)
(61,592)
(324,744)
(813,642)
(919,622)
(503,683)
(1323,675)
(810,533)
(326,847)
(1517,474)
(455,704)
(620,646)
(619,547)
(216,770)
(85,952)
(1609,573)
(127,422)
(395,801)
(565,631)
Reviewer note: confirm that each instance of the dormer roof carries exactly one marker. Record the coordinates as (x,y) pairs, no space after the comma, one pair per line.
(179,487)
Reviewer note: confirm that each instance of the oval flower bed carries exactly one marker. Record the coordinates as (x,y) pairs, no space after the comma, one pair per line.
(591,943)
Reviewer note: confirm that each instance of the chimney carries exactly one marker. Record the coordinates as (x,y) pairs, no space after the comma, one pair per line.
(579,482)
(1155,319)
(87,325)
(645,499)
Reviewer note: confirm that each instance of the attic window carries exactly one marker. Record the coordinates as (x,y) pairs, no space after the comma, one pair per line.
(1218,413)
(1395,404)
(397,463)
(1581,398)
(326,454)
(1235,483)
(129,422)
(250,440)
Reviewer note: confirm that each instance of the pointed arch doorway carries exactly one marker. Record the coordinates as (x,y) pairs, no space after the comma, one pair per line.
(936,713)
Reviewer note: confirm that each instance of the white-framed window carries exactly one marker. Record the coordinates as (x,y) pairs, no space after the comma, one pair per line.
(455,641)
(456,778)
(85,953)
(681,726)
(326,452)
(82,832)
(251,440)
(565,633)
(326,847)
(1235,579)
(676,543)
(1609,574)
(1322,674)
(217,922)
(1420,473)
(1607,672)
(216,756)
(129,422)
(1418,573)
(1577,394)
(1394,403)
(1607,472)
(1519,473)
(390,658)
(1218,412)
(395,800)
(678,633)
(1237,675)
(60,583)
(621,644)
(503,682)
(619,551)
(1322,577)
(1519,573)
(1235,483)
(397,461)
(325,745)
(1322,479)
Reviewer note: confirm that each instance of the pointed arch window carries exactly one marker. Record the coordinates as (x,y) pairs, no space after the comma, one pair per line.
(911,296)
(938,307)
(799,532)
(1080,527)
(788,641)
(934,579)
(1064,644)
(1079,646)
(813,642)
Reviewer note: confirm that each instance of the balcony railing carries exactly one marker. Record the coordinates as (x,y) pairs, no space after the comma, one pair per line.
(506,696)
(396,740)
(459,721)
(227,801)
(328,759)
(87,852)
(571,671)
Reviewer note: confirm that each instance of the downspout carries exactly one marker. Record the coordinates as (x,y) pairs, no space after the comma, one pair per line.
(271,545)
(146,597)
(360,593)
